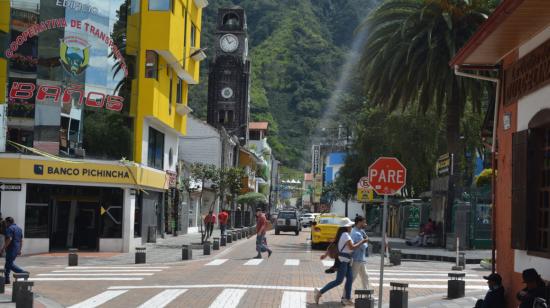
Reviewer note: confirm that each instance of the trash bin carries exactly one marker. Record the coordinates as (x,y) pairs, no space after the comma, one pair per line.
(140,255)
(186,252)
(363,299)
(216,244)
(152,234)
(73,257)
(399,296)
(456,285)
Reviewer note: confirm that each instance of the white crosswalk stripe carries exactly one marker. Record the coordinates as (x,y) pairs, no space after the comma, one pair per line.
(253,262)
(99,299)
(292,262)
(294,299)
(229,298)
(163,298)
(216,262)
(99,273)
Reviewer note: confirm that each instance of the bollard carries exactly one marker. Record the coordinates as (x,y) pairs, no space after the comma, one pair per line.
(376,247)
(73,257)
(223,240)
(206,248)
(186,252)
(239,234)
(25,297)
(140,255)
(456,285)
(462,259)
(364,299)
(246,233)
(229,237)
(216,243)
(19,277)
(2,281)
(395,257)
(234,235)
(399,296)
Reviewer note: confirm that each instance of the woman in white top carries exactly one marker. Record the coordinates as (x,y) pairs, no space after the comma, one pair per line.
(345,248)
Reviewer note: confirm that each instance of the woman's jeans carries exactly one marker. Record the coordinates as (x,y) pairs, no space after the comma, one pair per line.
(344,271)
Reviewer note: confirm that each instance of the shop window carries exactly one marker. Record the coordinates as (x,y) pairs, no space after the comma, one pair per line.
(179,91)
(151,64)
(155,157)
(255,135)
(112,201)
(170,95)
(531,187)
(36,220)
(135,6)
(193,35)
(160,5)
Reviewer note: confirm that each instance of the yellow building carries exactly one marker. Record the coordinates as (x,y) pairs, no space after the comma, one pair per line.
(89,125)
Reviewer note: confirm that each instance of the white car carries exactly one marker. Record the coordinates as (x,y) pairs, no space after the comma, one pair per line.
(307,219)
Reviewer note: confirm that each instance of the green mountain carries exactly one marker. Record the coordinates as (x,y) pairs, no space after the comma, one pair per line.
(297,50)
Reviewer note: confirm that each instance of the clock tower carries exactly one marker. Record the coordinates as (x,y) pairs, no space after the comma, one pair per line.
(229,75)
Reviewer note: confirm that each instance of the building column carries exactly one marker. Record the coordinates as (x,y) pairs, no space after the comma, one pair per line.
(128,218)
(13,205)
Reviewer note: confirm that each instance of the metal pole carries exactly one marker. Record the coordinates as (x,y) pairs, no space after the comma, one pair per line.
(382,252)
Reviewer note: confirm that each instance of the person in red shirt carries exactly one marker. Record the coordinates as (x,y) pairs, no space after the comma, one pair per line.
(261,228)
(209,222)
(222,218)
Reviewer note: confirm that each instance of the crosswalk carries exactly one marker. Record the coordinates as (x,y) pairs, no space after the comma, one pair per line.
(100,273)
(229,297)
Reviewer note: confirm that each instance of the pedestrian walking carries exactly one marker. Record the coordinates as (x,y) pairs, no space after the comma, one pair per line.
(209,222)
(261,241)
(345,250)
(222,219)
(12,246)
(359,264)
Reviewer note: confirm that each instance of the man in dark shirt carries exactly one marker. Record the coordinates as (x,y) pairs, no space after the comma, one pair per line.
(12,247)
(495,296)
(534,288)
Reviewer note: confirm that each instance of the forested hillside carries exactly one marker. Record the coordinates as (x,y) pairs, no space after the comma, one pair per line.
(297,48)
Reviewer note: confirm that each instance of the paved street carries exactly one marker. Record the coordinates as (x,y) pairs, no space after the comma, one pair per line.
(230,278)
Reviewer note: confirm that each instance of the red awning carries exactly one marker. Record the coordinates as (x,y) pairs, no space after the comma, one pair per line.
(512,24)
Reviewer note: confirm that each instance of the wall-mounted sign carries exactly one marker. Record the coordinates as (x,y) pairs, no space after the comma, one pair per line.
(443,165)
(528,74)
(10,187)
(315,159)
(507,120)
(64,95)
(56,23)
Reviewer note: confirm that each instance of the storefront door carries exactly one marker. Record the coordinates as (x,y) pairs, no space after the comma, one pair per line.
(75,224)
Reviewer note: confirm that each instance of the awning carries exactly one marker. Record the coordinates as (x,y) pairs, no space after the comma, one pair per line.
(513,23)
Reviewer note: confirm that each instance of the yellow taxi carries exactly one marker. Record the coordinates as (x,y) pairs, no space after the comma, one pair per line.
(324,228)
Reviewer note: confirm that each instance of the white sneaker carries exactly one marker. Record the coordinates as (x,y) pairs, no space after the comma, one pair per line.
(316,295)
(347,302)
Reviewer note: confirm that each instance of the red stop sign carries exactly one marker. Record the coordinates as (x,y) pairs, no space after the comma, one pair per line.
(387,175)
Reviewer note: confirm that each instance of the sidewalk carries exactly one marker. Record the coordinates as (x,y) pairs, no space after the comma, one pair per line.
(440,301)
(165,250)
(433,253)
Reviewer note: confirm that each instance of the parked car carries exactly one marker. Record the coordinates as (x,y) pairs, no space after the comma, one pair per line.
(307,219)
(324,229)
(288,221)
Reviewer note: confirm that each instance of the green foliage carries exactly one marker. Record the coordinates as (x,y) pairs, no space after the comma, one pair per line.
(296,51)
(405,60)
(100,142)
(252,198)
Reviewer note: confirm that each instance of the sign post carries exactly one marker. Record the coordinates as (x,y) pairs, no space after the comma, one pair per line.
(386,176)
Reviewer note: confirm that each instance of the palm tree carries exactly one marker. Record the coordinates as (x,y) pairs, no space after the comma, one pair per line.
(406,55)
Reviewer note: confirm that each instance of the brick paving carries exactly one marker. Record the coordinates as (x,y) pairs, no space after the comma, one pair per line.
(264,285)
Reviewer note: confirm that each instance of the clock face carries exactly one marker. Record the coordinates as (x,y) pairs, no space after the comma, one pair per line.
(229,43)
(227,92)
